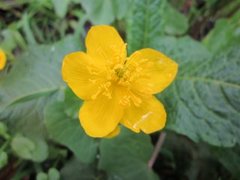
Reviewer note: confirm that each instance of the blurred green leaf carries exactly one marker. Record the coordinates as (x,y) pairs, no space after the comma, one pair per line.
(230,158)
(3,159)
(34,80)
(126,156)
(174,23)
(41,150)
(68,132)
(121,8)
(34,149)
(27,29)
(42,176)
(76,170)
(99,12)
(3,130)
(53,174)
(6,5)
(105,11)
(224,35)
(11,39)
(61,8)
(23,147)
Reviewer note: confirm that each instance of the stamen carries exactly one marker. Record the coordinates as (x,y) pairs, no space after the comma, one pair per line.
(125,101)
(104,89)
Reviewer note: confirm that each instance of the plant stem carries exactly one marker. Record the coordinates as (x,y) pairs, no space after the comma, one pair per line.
(157,149)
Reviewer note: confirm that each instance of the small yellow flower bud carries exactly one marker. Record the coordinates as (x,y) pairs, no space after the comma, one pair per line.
(2,59)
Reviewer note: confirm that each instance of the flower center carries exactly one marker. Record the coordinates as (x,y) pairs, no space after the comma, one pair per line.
(119,72)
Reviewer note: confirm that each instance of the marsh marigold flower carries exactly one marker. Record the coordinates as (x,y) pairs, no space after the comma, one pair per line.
(2,59)
(117,89)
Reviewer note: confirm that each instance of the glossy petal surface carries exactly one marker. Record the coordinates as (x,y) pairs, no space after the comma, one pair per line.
(105,45)
(81,75)
(152,71)
(149,117)
(100,117)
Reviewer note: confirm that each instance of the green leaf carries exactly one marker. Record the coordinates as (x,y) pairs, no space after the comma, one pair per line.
(3,159)
(76,170)
(34,80)
(71,104)
(151,19)
(61,8)
(42,176)
(120,8)
(11,39)
(224,35)
(41,150)
(27,29)
(174,23)
(34,149)
(105,11)
(203,102)
(144,23)
(53,174)
(230,159)
(126,156)
(67,131)
(23,147)
(99,12)
(3,131)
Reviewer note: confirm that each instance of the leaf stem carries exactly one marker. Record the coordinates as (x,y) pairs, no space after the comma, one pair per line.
(157,149)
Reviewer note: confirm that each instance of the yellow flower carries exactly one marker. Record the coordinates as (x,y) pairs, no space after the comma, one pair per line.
(2,59)
(117,89)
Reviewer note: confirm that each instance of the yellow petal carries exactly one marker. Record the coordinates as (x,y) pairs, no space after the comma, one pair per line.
(105,45)
(80,75)
(154,70)
(149,117)
(115,132)
(2,59)
(100,117)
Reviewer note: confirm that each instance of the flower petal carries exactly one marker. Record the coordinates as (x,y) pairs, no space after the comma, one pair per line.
(149,117)
(155,70)
(100,117)
(80,75)
(105,45)
(115,132)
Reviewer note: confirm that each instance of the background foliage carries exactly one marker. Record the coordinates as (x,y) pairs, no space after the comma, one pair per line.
(40,134)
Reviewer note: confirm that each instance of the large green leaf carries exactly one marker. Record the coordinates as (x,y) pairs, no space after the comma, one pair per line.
(203,102)
(33,81)
(67,131)
(126,156)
